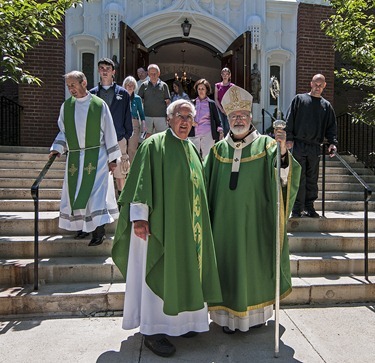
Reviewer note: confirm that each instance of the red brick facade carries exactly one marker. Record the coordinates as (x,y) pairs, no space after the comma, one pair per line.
(314,49)
(42,104)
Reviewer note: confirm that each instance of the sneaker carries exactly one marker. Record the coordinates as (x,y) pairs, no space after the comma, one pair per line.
(312,213)
(160,346)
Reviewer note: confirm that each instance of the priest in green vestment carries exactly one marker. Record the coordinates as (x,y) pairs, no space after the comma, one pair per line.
(163,243)
(242,195)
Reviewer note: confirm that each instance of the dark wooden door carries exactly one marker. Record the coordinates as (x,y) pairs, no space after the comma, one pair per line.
(238,59)
(133,53)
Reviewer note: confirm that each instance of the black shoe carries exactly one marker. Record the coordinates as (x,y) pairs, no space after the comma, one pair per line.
(81,234)
(189,334)
(98,236)
(226,330)
(296,214)
(312,213)
(162,347)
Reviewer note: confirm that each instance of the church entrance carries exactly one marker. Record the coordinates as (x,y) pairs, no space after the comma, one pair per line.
(186,59)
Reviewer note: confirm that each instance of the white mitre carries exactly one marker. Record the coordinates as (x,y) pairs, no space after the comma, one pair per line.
(236,99)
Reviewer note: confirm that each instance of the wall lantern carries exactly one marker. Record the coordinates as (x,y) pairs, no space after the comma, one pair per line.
(186,27)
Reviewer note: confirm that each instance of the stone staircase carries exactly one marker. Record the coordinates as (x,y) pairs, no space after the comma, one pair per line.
(327,259)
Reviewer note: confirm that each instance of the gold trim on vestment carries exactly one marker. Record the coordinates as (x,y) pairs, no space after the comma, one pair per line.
(249,308)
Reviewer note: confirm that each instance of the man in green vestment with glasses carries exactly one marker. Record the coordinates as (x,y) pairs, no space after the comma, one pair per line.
(88,136)
(163,244)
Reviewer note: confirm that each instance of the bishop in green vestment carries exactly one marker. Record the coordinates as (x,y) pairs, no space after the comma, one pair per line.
(242,195)
(163,243)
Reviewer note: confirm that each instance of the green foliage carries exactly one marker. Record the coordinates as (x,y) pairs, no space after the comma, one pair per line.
(23,24)
(352,28)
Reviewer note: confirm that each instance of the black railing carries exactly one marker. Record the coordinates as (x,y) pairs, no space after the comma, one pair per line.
(357,139)
(35,195)
(366,199)
(10,121)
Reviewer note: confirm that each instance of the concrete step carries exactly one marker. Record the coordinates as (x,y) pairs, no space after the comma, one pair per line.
(30,164)
(22,223)
(328,242)
(14,205)
(62,299)
(15,150)
(31,173)
(13,247)
(338,170)
(331,289)
(345,187)
(28,182)
(336,178)
(89,299)
(334,221)
(326,263)
(25,193)
(52,270)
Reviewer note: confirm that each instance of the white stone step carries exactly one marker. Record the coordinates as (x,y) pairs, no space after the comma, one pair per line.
(31,173)
(22,223)
(28,182)
(331,289)
(325,263)
(13,247)
(27,205)
(25,193)
(89,299)
(328,242)
(52,270)
(30,164)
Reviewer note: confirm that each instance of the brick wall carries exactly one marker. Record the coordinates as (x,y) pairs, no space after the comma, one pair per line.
(42,103)
(314,49)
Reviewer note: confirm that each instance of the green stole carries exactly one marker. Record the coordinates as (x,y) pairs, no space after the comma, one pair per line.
(92,145)
(196,212)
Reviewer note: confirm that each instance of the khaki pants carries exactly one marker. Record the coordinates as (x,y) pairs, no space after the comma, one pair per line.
(134,140)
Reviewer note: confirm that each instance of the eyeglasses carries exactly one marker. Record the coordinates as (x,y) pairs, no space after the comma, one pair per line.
(188,118)
(238,117)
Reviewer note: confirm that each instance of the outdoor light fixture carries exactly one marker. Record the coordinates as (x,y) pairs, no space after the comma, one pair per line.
(186,27)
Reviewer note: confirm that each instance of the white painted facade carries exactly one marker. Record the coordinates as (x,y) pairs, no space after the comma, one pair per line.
(94,28)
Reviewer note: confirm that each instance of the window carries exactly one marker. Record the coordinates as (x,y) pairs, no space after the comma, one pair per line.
(274,71)
(88,68)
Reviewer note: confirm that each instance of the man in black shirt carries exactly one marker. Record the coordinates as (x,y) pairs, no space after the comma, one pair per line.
(310,119)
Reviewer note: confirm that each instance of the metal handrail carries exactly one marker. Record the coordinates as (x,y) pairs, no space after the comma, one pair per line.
(35,195)
(263,119)
(366,199)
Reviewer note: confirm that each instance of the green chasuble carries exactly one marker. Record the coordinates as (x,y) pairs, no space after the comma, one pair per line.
(167,175)
(244,223)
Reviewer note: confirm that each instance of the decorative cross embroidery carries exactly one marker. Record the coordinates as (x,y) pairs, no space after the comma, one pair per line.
(72,169)
(89,168)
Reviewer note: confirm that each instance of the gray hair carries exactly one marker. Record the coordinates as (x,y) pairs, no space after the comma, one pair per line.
(176,105)
(130,80)
(77,75)
(153,66)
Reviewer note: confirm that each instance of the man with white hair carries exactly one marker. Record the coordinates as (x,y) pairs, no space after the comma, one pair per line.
(163,244)
(242,196)
(156,98)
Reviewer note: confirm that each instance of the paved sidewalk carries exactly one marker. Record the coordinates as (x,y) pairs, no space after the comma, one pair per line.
(311,335)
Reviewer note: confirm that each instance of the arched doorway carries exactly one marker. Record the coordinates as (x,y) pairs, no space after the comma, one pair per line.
(196,60)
